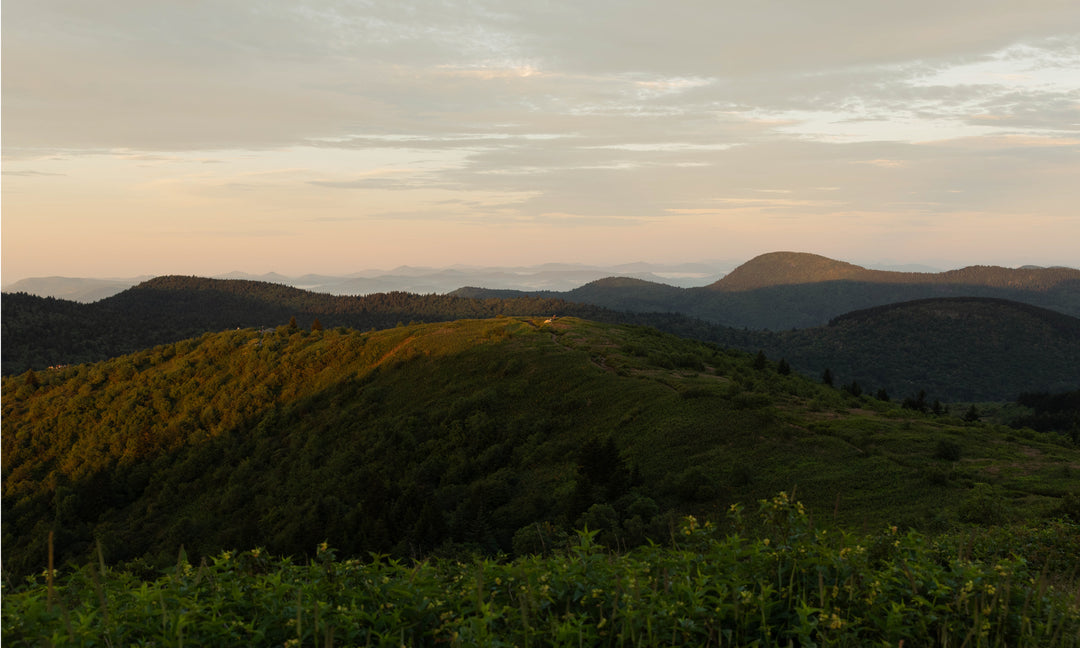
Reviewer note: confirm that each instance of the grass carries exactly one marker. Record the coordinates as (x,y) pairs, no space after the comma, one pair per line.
(774,579)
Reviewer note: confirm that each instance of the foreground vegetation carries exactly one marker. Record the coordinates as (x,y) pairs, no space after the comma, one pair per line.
(772,579)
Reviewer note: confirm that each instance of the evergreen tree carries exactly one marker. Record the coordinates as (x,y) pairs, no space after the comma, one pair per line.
(783,368)
(827,377)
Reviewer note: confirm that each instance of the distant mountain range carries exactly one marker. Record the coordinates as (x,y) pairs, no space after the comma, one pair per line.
(784,290)
(420,280)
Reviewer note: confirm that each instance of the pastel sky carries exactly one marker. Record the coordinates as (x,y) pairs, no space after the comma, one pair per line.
(200,137)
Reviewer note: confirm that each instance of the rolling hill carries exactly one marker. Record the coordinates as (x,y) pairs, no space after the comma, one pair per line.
(994,352)
(39,332)
(475,435)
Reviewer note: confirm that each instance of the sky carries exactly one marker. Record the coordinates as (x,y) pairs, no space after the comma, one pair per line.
(202,137)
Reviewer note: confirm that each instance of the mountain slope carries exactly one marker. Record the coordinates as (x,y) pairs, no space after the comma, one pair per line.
(493,435)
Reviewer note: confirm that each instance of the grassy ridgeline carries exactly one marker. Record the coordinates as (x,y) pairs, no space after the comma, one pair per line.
(787,584)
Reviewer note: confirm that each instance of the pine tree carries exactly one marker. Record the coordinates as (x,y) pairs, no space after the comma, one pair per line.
(783,368)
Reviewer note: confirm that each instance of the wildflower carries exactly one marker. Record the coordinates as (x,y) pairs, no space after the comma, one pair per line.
(498,581)
(256,552)
(323,546)
(765,541)
(990,589)
(226,555)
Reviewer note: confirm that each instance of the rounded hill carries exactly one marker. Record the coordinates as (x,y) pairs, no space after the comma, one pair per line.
(959,349)
(788,268)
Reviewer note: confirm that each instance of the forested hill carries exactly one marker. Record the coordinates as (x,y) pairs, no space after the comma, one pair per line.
(497,435)
(955,349)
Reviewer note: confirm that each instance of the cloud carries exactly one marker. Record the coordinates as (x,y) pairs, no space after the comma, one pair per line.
(630,113)
(27,173)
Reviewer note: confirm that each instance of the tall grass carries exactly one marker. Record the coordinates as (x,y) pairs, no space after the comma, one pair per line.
(786,584)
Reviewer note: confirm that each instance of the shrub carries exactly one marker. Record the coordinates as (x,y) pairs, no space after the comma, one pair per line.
(947,450)
(792,584)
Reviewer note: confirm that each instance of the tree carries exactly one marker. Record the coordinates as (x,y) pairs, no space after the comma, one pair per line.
(760,361)
(293,326)
(316,325)
(972,415)
(827,378)
(917,402)
(783,368)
